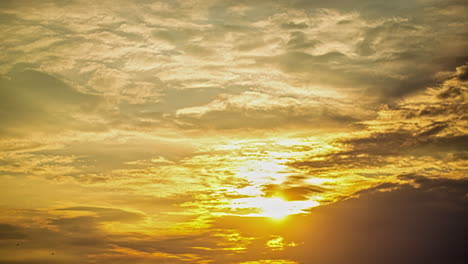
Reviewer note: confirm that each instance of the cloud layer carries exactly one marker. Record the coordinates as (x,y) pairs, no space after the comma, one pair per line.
(233,132)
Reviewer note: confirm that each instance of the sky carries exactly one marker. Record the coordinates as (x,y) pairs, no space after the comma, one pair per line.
(233,132)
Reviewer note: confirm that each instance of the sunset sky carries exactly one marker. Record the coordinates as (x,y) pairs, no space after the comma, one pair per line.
(233,132)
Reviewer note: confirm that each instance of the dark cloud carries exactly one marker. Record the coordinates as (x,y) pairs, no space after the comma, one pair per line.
(45,261)
(82,240)
(408,224)
(10,232)
(462,73)
(73,239)
(71,245)
(374,150)
(407,143)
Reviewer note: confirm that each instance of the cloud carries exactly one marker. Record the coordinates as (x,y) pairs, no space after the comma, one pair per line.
(108,214)
(266,110)
(34,101)
(11,232)
(430,123)
(149,66)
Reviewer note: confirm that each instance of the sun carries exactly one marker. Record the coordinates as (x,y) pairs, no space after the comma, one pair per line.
(274,208)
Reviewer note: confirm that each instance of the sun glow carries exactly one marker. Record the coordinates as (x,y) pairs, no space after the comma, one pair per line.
(275,208)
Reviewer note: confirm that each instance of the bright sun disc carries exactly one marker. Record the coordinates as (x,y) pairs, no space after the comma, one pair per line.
(276,208)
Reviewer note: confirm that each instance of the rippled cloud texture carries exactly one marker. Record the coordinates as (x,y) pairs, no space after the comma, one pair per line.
(233,132)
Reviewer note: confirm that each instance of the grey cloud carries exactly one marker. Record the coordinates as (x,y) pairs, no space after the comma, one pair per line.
(292,25)
(101,156)
(386,33)
(81,240)
(32,100)
(298,40)
(71,245)
(174,244)
(368,7)
(80,230)
(397,57)
(173,99)
(385,143)
(374,150)
(239,118)
(108,214)
(337,69)
(462,73)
